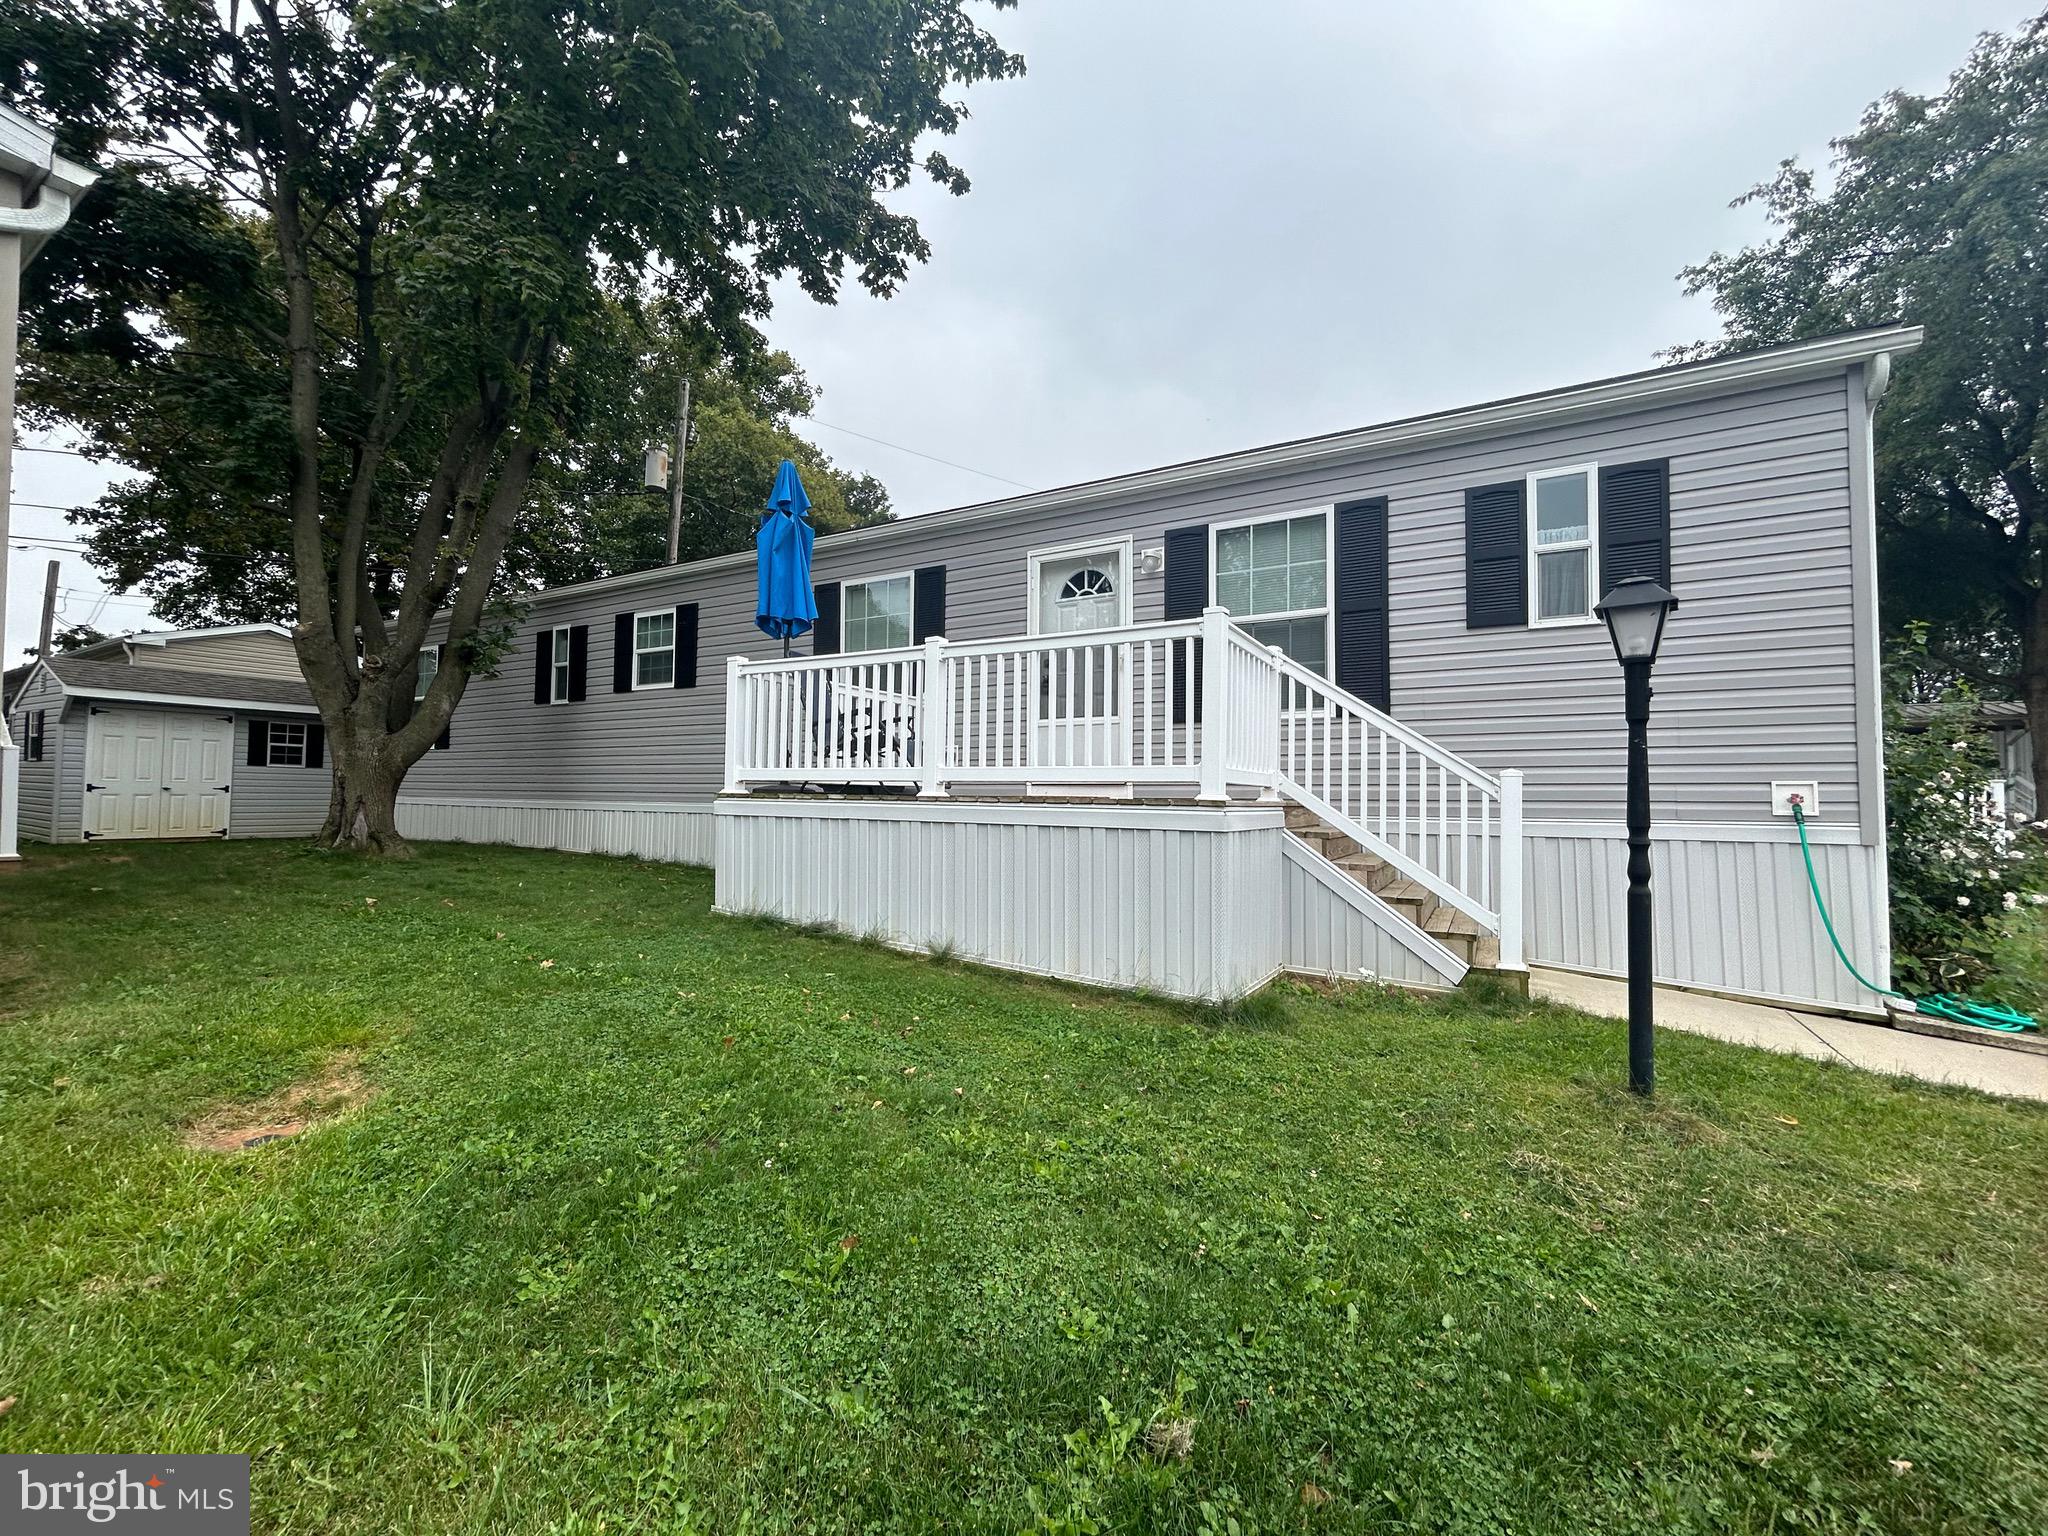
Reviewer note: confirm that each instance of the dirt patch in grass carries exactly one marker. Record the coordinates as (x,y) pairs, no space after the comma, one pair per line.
(299,1107)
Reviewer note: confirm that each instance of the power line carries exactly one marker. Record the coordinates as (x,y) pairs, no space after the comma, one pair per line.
(917,453)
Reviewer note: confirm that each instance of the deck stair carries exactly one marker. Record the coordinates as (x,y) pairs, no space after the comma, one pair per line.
(1453,929)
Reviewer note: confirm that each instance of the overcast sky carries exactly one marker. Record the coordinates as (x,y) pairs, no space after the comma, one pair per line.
(1192,231)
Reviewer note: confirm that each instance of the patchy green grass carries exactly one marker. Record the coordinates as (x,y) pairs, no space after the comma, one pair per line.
(663,1222)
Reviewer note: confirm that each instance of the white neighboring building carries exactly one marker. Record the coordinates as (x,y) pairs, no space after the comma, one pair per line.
(38,187)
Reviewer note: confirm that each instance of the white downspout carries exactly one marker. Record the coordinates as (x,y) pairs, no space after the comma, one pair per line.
(50,214)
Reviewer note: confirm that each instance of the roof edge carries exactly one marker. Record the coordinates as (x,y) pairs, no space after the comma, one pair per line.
(1812,358)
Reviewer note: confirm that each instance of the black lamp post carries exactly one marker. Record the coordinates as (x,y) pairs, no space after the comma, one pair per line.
(1635,612)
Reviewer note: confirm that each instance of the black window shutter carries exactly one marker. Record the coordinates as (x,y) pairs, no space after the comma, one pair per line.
(1496,556)
(544,666)
(259,743)
(316,745)
(1364,645)
(579,660)
(1635,523)
(927,604)
(825,633)
(686,645)
(622,653)
(1187,594)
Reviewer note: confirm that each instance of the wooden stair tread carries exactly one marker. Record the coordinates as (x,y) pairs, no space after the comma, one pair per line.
(1449,920)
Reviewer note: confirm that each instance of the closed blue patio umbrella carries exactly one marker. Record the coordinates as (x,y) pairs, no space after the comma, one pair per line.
(785,607)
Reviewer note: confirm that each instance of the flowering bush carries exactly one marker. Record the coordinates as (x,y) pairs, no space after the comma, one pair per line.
(1969,884)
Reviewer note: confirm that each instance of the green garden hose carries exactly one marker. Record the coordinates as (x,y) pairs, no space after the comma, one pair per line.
(1942,1005)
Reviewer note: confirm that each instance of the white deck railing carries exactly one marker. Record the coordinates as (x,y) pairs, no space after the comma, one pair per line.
(1188,704)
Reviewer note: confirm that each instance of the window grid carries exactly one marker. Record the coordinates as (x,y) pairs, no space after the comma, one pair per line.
(654,649)
(1273,577)
(875,614)
(287,744)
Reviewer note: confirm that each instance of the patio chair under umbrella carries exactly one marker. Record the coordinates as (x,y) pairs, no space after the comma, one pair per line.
(786,607)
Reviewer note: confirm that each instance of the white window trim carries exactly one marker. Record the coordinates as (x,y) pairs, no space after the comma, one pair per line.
(1122,548)
(1592,545)
(1329,608)
(869,581)
(423,679)
(675,635)
(559,671)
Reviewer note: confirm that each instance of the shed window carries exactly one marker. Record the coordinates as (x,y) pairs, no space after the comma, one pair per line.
(1564,525)
(877,614)
(32,735)
(1273,576)
(654,649)
(288,743)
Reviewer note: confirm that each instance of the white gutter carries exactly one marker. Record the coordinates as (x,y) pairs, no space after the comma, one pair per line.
(1747,370)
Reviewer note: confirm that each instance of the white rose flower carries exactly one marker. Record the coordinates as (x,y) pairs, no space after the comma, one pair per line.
(2011,900)
(1962,901)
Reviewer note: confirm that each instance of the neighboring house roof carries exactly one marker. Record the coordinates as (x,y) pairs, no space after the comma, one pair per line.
(114,645)
(116,680)
(1710,376)
(1999,712)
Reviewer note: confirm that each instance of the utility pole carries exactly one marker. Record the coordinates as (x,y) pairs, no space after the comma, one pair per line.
(49,612)
(675,470)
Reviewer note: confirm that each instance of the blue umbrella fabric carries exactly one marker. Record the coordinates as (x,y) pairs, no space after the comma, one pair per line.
(785,607)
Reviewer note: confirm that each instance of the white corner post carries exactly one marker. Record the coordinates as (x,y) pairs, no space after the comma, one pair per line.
(934,722)
(1511,853)
(738,728)
(1215,710)
(10,793)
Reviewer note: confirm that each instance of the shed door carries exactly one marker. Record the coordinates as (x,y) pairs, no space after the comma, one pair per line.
(156,773)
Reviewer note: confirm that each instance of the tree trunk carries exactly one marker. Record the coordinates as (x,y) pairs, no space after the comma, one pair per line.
(362,809)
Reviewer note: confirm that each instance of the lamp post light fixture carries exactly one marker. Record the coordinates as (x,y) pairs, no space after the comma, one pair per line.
(1635,612)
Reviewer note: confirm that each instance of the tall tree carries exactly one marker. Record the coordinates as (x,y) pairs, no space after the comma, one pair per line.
(413,245)
(1936,211)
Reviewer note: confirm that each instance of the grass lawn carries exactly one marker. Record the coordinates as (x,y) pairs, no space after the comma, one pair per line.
(655,1221)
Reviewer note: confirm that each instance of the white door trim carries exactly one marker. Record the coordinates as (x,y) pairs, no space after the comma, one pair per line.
(86,832)
(1038,557)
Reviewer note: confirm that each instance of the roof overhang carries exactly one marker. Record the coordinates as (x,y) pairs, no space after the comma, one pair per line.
(163,637)
(193,701)
(50,183)
(1818,358)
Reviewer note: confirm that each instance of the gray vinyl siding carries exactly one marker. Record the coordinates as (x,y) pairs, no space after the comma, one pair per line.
(1757,680)
(254,655)
(39,779)
(275,802)
(70,808)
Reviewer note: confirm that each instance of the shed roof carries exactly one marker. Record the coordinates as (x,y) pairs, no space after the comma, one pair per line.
(117,680)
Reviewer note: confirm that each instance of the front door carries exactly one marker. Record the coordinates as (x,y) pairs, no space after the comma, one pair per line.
(156,773)
(1081,688)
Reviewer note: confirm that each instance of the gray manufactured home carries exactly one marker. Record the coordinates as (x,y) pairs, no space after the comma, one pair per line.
(1338,705)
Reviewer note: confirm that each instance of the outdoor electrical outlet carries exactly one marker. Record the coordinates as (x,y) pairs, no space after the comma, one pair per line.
(1807,792)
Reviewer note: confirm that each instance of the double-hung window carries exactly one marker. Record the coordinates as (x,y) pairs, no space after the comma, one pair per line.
(288,741)
(32,736)
(877,614)
(1564,529)
(558,673)
(1273,576)
(430,663)
(654,649)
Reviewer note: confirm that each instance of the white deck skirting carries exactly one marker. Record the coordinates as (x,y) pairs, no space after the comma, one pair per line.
(678,834)
(1183,902)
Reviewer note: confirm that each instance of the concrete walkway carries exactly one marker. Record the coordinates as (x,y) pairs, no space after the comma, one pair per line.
(1874,1047)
